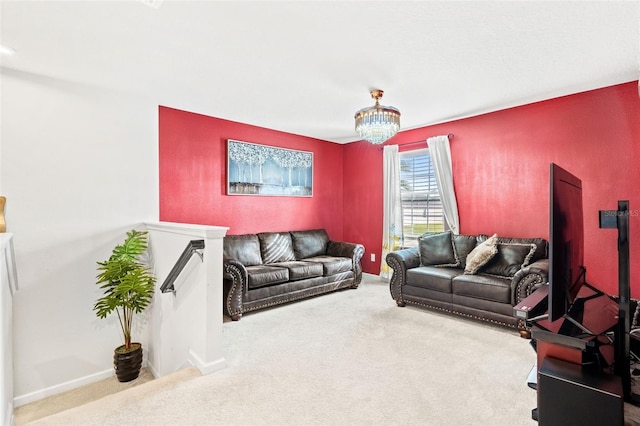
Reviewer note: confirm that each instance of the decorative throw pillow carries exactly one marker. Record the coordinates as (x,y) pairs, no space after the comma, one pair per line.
(310,243)
(276,247)
(510,258)
(243,248)
(541,245)
(481,255)
(437,249)
(463,244)
(535,248)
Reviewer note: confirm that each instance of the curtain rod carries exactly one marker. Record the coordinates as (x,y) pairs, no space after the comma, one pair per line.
(450,135)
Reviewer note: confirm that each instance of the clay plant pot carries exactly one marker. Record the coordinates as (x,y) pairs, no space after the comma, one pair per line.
(127,363)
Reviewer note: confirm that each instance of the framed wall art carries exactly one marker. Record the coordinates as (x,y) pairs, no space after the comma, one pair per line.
(254,169)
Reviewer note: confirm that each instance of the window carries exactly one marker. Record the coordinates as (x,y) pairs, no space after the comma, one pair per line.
(421,205)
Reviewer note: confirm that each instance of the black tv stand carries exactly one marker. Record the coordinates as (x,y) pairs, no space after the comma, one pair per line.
(587,327)
(585,355)
(575,358)
(570,394)
(575,315)
(619,219)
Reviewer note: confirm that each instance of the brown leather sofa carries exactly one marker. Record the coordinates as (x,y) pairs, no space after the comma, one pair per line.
(270,268)
(438,275)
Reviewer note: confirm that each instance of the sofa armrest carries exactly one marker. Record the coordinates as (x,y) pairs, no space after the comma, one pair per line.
(529,279)
(407,258)
(400,261)
(343,249)
(236,278)
(351,250)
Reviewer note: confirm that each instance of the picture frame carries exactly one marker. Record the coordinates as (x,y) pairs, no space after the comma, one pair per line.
(254,169)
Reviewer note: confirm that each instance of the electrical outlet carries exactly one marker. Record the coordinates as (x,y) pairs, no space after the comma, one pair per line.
(373,257)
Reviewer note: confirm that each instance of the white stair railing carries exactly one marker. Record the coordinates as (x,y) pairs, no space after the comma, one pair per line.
(185,324)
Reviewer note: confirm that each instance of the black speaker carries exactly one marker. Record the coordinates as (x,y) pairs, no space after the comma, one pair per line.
(570,394)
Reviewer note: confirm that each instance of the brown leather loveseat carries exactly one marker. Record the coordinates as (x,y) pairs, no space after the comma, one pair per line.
(476,276)
(270,268)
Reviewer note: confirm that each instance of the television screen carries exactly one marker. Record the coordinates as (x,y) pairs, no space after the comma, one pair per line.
(566,241)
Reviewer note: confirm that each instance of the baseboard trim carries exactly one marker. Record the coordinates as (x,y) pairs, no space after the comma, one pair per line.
(152,370)
(62,387)
(206,367)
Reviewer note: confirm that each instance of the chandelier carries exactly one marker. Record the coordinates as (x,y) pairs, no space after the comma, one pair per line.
(378,123)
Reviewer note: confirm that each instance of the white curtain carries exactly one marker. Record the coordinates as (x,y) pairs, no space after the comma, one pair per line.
(440,153)
(392,233)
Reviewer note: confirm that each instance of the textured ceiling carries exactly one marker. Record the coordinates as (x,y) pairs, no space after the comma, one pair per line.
(305,67)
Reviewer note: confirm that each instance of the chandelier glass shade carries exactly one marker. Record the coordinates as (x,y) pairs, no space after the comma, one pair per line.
(378,123)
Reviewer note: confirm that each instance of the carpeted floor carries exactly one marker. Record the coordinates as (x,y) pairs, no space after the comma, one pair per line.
(346,358)
(76,397)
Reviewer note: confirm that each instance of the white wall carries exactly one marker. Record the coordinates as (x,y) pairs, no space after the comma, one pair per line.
(79,167)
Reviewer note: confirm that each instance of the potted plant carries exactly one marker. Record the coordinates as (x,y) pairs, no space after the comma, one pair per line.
(127,285)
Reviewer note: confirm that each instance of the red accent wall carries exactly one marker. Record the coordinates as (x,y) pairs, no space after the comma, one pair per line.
(500,166)
(193,161)
(501,173)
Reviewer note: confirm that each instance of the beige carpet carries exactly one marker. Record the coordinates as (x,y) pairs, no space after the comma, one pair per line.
(73,398)
(347,358)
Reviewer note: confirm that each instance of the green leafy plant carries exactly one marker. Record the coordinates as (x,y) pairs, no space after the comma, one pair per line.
(127,283)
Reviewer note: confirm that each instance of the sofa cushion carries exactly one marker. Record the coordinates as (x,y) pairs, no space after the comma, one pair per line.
(432,277)
(542,246)
(264,275)
(481,254)
(482,286)
(243,248)
(509,259)
(309,243)
(463,244)
(276,247)
(332,265)
(437,249)
(299,270)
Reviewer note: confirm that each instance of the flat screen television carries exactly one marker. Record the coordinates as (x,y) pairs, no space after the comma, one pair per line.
(566,241)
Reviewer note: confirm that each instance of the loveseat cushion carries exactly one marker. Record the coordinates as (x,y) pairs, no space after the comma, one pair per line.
(264,275)
(299,270)
(509,259)
(276,247)
(481,254)
(309,243)
(432,277)
(243,248)
(332,265)
(463,244)
(437,249)
(482,286)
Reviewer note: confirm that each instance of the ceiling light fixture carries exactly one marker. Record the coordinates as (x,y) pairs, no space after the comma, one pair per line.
(378,123)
